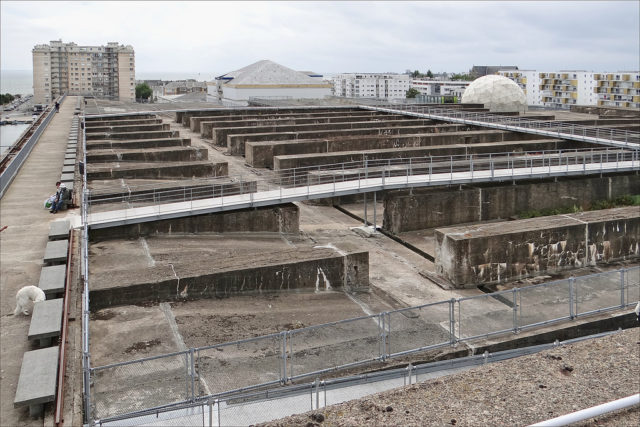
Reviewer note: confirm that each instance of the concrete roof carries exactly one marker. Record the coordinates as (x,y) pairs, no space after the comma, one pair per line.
(267,72)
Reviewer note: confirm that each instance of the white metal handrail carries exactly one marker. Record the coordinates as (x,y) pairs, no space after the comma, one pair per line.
(599,135)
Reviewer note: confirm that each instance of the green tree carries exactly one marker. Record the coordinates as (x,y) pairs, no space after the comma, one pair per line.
(6,98)
(465,77)
(412,92)
(143,91)
(429,74)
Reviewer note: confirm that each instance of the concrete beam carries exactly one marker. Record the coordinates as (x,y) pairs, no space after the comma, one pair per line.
(468,256)
(157,171)
(132,135)
(164,154)
(139,143)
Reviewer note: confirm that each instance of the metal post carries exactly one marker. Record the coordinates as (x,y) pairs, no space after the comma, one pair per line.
(621,288)
(365,209)
(317,384)
(374,212)
(193,375)
(283,377)
(452,322)
(572,290)
(515,310)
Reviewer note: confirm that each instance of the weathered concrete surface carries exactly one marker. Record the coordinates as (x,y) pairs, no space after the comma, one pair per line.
(194,122)
(163,154)
(219,134)
(22,246)
(304,160)
(129,127)
(347,140)
(152,134)
(139,143)
(159,170)
(38,377)
(184,116)
(503,251)
(90,125)
(440,207)
(117,117)
(606,111)
(261,153)
(214,274)
(279,219)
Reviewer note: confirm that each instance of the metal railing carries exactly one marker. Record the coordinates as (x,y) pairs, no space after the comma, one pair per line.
(263,406)
(304,183)
(18,160)
(224,370)
(607,136)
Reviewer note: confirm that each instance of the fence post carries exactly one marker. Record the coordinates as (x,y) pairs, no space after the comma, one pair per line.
(572,313)
(622,288)
(452,322)
(193,375)
(283,374)
(515,310)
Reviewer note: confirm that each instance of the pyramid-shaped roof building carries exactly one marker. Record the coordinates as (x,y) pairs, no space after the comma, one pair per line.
(268,73)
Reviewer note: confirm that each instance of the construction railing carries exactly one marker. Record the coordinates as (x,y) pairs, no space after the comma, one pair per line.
(305,183)
(224,370)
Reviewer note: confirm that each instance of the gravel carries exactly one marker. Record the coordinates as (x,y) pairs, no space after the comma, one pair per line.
(515,392)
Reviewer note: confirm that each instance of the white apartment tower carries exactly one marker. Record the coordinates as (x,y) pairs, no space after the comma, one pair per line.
(529,82)
(371,85)
(100,71)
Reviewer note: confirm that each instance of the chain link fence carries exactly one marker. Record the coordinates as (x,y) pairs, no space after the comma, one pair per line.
(225,370)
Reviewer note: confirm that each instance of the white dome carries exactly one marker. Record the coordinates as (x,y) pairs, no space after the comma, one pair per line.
(497,93)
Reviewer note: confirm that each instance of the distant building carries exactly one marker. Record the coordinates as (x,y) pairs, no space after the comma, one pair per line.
(266,79)
(440,87)
(621,89)
(562,89)
(371,85)
(529,82)
(483,70)
(100,71)
(180,87)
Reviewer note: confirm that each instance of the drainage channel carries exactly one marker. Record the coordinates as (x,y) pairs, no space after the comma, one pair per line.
(388,234)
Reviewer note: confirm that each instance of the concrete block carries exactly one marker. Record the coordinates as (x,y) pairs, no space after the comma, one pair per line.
(46,321)
(68,169)
(56,252)
(59,230)
(52,280)
(69,155)
(69,162)
(66,177)
(37,381)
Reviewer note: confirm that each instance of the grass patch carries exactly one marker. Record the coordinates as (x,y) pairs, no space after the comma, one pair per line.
(626,200)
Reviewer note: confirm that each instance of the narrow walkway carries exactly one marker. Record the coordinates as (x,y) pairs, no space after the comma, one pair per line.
(22,246)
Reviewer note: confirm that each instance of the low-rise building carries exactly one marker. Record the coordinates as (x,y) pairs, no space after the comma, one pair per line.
(621,89)
(371,85)
(268,80)
(440,87)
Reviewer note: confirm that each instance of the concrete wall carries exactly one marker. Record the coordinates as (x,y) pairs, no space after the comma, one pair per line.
(430,208)
(505,251)
(193,169)
(279,219)
(339,272)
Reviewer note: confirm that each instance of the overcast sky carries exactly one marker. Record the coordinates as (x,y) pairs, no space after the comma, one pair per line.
(328,37)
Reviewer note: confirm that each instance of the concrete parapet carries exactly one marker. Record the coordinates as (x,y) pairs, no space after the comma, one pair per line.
(279,219)
(100,123)
(132,135)
(184,116)
(349,272)
(158,170)
(308,160)
(219,134)
(438,207)
(504,251)
(115,117)
(143,127)
(139,143)
(194,122)
(166,154)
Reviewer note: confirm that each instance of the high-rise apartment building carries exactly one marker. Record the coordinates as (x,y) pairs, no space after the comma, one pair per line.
(371,85)
(621,89)
(529,82)
(100,71)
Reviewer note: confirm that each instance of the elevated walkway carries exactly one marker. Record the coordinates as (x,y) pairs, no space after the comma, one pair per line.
(551,129)
(453,172)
